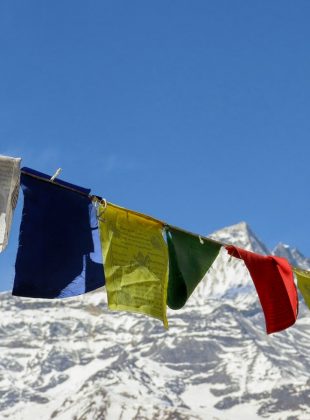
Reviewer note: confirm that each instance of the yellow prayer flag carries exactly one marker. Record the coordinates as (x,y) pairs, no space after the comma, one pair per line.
(135,262)
(303,283)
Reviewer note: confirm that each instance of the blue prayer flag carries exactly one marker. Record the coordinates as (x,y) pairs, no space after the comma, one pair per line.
(59,252)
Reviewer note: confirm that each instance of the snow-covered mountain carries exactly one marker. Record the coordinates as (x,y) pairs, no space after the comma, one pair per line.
(294,256)
(241,235)
(74,359)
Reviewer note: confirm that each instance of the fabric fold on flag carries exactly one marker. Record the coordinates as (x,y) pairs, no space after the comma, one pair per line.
(9,189)
(135,262)
(274,282)
(59,252)
(303,284)
(190,257)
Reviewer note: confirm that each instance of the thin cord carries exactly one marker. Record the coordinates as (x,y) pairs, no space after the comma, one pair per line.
(106,203)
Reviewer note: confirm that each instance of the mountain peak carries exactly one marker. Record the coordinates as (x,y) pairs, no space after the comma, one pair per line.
(241,225)
(293,255)
(240,234)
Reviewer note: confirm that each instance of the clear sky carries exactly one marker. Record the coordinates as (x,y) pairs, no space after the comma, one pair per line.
(196,112)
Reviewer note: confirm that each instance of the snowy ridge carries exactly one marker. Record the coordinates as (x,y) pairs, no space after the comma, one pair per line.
(294,256)
(74,359)
(242,236)
(228,276)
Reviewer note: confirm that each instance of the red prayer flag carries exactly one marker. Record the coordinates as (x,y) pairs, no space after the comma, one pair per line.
(274,283)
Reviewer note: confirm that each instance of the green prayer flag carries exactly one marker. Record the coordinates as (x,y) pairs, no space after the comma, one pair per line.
(190,257)
(303,283)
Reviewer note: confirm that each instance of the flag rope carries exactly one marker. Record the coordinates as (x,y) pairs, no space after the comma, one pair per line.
(98,199)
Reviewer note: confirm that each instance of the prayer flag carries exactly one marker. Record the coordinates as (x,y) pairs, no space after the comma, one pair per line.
(274,282)
(303,283)
(190,257)
(59,252)
(135,262)
(9,189)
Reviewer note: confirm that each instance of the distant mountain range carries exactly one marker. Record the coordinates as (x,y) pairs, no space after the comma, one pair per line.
(74,359)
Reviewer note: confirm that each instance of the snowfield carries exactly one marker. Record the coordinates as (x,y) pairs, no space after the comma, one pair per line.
(75,359)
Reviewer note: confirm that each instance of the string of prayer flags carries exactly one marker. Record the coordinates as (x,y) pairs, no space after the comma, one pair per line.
(9,189)
(135,262)
(190,258)
(66,234)
(59,252)
(274,282)
(303,284)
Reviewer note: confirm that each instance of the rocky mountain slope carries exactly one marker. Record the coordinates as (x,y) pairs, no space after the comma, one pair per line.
(74,359)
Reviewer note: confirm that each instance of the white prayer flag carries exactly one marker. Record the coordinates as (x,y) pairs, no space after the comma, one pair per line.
(9,189)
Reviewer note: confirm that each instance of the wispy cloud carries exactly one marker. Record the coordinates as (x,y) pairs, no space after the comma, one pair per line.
(48,156)
(115,163)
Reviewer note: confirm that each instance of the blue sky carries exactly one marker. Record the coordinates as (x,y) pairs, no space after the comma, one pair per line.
(196,112)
